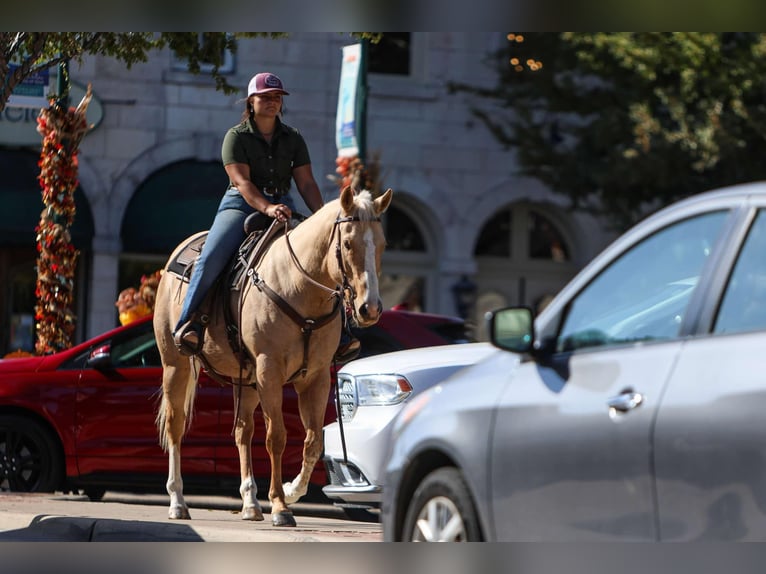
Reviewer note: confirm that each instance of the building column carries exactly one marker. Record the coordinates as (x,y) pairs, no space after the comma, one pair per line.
(103,286)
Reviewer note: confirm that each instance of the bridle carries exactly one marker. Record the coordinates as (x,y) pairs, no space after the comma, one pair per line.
(341,293)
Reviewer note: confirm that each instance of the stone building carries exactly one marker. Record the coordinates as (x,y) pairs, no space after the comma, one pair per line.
(465,233)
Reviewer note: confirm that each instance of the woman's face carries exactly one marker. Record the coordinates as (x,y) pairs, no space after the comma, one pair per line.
(267,104)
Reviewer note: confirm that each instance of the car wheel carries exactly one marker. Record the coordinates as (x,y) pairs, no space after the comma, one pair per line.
(30,460)
(94,494)
(361,514)
(441,510)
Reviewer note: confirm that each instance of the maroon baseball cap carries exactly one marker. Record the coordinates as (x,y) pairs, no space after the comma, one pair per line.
(265,83)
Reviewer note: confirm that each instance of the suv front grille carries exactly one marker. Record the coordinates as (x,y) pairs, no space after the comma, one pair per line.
(348,402)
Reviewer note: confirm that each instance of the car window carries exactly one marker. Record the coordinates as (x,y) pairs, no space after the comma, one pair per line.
(744,303)
(136,348)
(643,294)
(375,341)
(452,332)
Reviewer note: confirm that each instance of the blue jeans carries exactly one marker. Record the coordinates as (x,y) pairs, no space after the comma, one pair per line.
(224,238)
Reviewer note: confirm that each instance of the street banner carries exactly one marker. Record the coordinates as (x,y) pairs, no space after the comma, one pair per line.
(32,92)
(347,122)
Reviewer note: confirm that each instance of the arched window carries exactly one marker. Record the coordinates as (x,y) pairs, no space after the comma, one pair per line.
(544,239)
(522,256)
(171,204)
(495,237)
(402,233)
(408,261)
(500,235)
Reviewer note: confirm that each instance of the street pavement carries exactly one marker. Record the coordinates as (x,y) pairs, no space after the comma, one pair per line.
(122,517)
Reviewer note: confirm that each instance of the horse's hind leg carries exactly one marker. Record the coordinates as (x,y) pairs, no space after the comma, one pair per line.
(247,397)
(178,390)
(312,403)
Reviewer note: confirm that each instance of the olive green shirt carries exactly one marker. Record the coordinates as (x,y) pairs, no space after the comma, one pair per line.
(271,165)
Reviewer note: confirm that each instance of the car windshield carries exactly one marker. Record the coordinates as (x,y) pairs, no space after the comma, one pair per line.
(644,293)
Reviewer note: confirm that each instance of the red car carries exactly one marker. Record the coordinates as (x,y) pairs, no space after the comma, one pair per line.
(83,419)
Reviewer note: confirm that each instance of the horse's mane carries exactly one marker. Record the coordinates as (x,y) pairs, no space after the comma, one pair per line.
(366,207)
(363,201)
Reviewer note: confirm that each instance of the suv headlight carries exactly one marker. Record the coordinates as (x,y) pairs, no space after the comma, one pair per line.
(376,390)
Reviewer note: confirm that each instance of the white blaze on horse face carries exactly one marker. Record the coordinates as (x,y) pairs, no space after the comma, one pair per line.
(370,269)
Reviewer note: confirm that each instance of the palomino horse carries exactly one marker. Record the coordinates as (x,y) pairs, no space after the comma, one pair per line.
(335,251)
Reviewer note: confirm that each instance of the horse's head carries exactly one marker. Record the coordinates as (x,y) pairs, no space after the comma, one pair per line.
(361,243)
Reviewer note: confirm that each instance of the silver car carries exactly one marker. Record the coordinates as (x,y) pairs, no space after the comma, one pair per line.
(630,409)
(372,391)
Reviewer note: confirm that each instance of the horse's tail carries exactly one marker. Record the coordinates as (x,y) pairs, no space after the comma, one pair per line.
(164,413)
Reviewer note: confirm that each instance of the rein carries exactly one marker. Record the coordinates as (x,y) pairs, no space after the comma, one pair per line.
(307,325)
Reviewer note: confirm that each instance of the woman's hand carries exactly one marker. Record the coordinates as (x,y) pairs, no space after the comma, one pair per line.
(279,211)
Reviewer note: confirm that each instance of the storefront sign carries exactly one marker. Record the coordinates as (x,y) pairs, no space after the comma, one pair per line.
(18,126)
(31,92)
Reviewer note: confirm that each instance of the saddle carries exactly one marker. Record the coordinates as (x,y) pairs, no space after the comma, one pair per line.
(256,223)
(260,233)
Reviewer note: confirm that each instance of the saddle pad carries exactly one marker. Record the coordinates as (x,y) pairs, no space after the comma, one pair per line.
(180,265)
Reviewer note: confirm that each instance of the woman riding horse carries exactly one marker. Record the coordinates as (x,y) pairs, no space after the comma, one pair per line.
(291,316)
(261,155)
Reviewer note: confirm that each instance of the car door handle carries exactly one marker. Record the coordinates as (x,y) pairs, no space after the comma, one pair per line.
(625,401)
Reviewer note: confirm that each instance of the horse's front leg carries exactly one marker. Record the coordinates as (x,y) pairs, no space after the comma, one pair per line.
(276,439)
(312,403)
(247,397)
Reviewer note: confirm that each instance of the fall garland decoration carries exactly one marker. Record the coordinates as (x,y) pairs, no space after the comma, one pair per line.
(352,171)
(62,130)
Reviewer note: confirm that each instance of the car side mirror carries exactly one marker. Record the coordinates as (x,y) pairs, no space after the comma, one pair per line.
(100,358)
(512,329)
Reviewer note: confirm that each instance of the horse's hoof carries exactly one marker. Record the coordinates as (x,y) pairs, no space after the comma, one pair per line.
(252,513)
(283,519)
(179,513)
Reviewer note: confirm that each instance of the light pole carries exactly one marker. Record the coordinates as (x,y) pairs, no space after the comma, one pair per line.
(464,292)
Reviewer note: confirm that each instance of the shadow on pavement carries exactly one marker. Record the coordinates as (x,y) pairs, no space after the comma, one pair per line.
(77,529)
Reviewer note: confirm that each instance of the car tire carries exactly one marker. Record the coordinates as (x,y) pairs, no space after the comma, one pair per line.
(94,494)
(442,510)
(361,514)
(30,458)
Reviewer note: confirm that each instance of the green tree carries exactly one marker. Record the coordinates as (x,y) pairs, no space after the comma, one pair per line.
(36,51)
(623,123)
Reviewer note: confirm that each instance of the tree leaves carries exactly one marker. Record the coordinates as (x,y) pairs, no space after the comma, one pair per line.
(623,123)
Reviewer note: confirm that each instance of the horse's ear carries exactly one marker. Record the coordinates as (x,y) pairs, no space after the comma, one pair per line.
(382,203)
(347,199)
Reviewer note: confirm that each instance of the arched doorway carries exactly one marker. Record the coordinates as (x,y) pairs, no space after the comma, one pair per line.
(171,204)
(22,205)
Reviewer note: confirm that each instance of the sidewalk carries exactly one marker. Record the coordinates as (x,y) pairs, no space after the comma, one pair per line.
(143,518)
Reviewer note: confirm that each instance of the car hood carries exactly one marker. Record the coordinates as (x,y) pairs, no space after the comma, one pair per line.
(417,359)
(25,364)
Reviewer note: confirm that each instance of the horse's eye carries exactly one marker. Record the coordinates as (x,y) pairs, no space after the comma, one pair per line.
(346,244)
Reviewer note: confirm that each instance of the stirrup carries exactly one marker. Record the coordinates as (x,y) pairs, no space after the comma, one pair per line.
(348,349)
(189,338)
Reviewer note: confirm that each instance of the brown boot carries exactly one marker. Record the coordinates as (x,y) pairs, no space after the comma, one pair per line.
(348,348)
(189,337)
